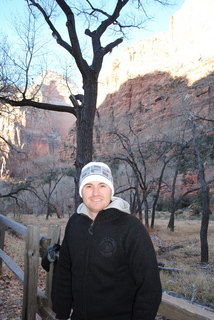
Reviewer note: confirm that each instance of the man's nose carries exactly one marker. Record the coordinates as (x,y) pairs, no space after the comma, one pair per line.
(95,190)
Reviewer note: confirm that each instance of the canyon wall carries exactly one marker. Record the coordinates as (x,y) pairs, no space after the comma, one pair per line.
(34,133)
(154,86)
(186,50)
(155,83)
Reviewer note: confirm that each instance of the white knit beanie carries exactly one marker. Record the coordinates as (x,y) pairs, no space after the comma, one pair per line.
(96,171)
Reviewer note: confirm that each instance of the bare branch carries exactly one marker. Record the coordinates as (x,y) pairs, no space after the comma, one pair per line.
(39,105)
(74,101)
(55,33)
(16,192)
(112,45)
(10,145)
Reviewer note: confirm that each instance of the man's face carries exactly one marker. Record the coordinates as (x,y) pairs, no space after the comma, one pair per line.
(96,196)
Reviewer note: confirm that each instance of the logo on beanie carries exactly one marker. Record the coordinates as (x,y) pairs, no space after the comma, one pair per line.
(96,170)
(107,247)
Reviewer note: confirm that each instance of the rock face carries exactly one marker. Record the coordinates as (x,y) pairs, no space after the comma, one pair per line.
(190,30)
(155,84)
(36,134)
(186,50)
(158,81)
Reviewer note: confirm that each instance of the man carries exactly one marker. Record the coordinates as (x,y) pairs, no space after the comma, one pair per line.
(107,267)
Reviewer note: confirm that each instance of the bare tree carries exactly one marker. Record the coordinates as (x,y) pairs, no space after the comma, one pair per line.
(141,157)
(46,191)
(204,191)
(47,186)
(139,169)
(104,18)
(165,162)
(178,154)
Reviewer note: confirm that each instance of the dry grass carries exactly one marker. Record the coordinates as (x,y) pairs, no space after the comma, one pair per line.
(195,281)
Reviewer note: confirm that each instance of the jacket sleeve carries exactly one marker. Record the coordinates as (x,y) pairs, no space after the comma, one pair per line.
(63,293)
(144,271)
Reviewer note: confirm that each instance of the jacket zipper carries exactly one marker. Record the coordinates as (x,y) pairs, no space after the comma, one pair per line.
(90,228)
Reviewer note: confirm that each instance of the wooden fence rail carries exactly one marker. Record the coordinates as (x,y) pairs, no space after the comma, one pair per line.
(180,309)
(36,303)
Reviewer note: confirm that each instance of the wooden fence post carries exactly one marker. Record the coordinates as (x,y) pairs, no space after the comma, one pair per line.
(31,258)
(2,235)
(54,234)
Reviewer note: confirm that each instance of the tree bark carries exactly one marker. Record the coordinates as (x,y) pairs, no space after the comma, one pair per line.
(171,224)
(146,212)
(84,129)
(205,198)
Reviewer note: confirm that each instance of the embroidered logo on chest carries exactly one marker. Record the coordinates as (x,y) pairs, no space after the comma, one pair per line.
(107,247)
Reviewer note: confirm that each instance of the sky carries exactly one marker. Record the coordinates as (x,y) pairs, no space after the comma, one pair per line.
(159,23)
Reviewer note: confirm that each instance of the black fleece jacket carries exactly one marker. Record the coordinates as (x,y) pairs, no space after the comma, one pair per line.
(107,269)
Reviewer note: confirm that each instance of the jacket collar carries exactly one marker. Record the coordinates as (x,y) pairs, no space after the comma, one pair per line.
(116,203)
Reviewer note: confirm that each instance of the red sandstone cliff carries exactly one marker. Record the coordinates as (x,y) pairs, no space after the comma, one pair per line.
(156,82)
(155,85)
(36,134)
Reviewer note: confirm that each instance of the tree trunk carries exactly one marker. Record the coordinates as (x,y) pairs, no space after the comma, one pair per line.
(48,208)
(139,205)
(205,199)
(153,211)
(146,211)
(132,200)
(171,224)
(204,224)
(84,129)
